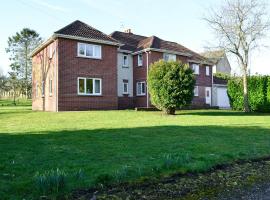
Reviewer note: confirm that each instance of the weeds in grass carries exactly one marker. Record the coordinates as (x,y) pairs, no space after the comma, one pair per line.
(171,161)
(55,183)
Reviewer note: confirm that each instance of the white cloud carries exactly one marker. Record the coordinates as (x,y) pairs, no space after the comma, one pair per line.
(50,6)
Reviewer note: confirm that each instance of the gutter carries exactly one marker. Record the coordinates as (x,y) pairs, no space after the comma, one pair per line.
(162,51)
(55,35)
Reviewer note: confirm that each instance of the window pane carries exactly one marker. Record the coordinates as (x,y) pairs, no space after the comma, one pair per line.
(97,51)
(125,87)
(89,86)
(143,88)
(81,49)
(81,86)
(89,50)
(97,87)
(124,60)
(139,88)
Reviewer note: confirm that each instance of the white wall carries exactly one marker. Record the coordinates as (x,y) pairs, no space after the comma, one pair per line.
(124,73)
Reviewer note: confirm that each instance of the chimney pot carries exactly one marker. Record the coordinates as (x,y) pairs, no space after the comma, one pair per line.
(128,30)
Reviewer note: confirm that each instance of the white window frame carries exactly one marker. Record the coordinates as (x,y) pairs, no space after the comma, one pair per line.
(196,68)
(125,92)
(196,91)
(91,45)
(140,61)
(171,57)
(123,60)
(137,86)
(50,87)
(207,71)
(94,85)
(50,51)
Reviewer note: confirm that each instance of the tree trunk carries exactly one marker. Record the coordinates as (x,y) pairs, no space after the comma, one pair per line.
(169,111)
(245,90)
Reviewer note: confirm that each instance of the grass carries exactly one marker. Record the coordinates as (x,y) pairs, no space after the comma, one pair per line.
(121,145)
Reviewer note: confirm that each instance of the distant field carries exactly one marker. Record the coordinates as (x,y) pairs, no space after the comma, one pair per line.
(124,145)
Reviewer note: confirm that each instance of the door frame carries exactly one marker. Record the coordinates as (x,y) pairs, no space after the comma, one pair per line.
(210,95)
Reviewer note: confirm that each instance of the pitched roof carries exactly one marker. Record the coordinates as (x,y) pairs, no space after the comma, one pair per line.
(80,29)
(135,43)
(214,56)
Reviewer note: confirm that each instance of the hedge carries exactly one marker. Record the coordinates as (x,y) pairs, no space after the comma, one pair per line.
(259,93)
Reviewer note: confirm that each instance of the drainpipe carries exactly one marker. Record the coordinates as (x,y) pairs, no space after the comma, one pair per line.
(147,68)
(56,75)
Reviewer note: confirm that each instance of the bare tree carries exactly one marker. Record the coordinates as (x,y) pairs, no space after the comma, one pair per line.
(240,26)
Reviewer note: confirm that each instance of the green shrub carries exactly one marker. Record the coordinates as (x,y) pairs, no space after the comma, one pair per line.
(258,87)
(171,85)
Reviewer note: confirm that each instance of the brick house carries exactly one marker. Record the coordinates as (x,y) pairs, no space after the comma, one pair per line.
(81,68)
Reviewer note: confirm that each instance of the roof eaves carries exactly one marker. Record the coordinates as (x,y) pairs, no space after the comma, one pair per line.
(87,39)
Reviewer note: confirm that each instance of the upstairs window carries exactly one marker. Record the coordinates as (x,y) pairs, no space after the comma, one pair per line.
(89,50)
(140,60)
(207,71)
(89,86)
(169,57)
(196,91)
(140,88)
(196,68)
(125,60)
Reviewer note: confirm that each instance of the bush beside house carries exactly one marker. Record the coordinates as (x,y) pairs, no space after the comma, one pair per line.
(259,93)
(171,85)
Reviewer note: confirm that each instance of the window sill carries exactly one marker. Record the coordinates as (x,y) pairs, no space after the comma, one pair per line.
(93,58)
(90,95)
(141,95)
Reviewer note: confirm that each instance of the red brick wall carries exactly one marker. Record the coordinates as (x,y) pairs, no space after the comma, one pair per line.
(71,67)
(125,102)
(140,74)
(44,69)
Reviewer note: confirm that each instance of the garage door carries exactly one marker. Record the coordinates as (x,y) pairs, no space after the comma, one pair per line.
(222,98)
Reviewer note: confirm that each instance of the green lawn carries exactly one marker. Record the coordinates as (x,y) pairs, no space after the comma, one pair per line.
(121,144)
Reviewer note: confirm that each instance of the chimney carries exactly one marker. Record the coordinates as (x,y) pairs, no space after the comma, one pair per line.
(128,31)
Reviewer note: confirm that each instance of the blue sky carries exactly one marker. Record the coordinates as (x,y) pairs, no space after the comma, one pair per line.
(175,20)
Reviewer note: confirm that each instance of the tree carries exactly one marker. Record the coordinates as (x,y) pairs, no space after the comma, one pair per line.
(14,85)
(3,83)
(19,47)
(171,85)
(240,26)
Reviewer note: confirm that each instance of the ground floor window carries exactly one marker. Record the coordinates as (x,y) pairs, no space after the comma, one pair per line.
(89,86)
(196,91)
(125,86)
(140,88)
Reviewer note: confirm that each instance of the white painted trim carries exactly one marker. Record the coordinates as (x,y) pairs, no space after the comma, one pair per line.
(85,46)
(147,71)
(87,39)
(55,35)
(86,94)
(142,94)
(124,88)
(124,51)
(196,87)
(162,51)
(200,62)
(127,63)
(140,64)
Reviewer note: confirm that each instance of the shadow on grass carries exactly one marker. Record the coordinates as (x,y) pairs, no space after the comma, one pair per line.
(104,151)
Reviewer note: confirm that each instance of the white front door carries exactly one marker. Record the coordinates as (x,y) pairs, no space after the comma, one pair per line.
(208,95)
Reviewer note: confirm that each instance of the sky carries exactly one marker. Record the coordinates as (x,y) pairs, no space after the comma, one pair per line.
(175,20)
